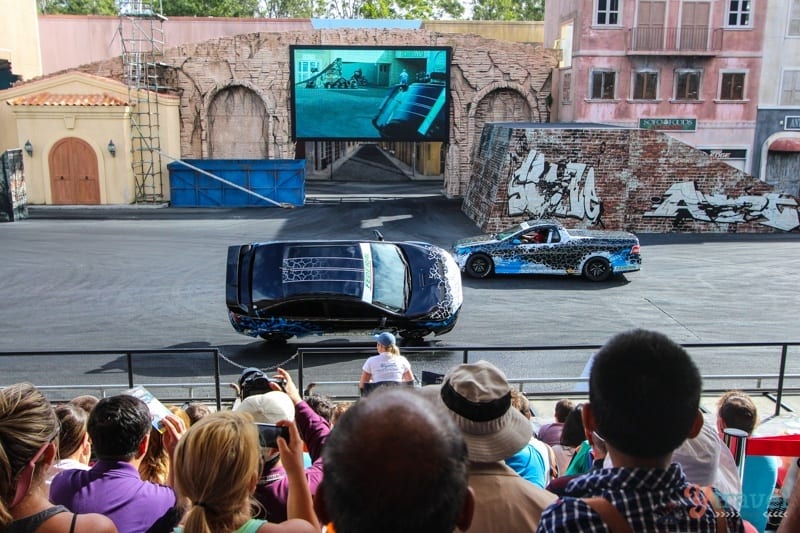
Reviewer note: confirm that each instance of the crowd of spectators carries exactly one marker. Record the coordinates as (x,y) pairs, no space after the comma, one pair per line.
(465,454)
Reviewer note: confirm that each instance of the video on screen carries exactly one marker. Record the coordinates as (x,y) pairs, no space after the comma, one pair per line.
(369,93)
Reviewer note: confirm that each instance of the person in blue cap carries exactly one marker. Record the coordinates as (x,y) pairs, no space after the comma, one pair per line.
(386,368)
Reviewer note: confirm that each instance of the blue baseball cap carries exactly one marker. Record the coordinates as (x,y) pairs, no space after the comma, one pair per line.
(385,339)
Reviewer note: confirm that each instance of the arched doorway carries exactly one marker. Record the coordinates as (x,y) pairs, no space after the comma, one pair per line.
(237,124)
(500,105)
(74,176)
(783,165)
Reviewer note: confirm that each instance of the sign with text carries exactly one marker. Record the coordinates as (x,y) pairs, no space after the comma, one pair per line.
(668,124)
(791,122)
(725,153)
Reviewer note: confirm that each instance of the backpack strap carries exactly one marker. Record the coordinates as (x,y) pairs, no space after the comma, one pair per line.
(551,454)
(719,511)
(617,523)
(609,514)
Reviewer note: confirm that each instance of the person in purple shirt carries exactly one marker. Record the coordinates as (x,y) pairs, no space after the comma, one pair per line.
(551,433)
(120,430)
(272,490)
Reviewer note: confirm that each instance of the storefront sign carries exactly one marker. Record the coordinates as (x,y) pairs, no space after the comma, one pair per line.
(791,122)
(725,153)
(668,124)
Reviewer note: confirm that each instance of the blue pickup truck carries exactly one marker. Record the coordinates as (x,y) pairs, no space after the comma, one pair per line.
(546,247)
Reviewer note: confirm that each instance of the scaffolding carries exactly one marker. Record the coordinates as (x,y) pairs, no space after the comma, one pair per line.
(141,30)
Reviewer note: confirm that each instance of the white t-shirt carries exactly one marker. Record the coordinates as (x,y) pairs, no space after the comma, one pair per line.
(386,367)
(62,465)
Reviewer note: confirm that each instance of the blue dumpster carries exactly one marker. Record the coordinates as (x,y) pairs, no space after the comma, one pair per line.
(280,180)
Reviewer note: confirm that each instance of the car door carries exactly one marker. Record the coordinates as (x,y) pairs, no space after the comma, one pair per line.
(538,250)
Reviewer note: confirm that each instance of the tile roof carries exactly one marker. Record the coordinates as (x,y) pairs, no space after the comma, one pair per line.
(50,99)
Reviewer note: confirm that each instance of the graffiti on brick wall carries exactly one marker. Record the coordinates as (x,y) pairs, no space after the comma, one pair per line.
(542,189)
(683,200)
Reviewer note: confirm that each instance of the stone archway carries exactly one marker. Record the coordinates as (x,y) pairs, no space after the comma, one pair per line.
(238,125)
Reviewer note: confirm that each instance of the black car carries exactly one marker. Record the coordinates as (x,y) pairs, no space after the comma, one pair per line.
(280,289)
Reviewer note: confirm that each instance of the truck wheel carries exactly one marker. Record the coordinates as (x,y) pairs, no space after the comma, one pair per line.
(479,266)
(597,269)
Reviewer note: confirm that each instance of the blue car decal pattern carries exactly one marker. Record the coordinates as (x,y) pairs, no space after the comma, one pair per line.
(255,327)
(448,279)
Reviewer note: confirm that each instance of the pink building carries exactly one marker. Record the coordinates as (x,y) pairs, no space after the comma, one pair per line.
(687,67)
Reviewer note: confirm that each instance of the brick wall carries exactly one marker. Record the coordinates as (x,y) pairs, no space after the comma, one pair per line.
(602,177)
(490,80)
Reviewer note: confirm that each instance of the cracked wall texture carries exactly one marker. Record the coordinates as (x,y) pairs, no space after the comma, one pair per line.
(490,81)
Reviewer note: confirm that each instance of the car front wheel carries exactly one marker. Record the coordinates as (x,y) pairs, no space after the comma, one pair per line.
(479,266)
(414,334)
(276,337)
(597,269)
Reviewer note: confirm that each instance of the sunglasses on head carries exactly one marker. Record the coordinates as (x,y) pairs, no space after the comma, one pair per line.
(25,477)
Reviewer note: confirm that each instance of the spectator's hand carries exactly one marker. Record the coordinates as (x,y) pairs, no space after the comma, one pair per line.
(173,431)
(289,387)
(291,452)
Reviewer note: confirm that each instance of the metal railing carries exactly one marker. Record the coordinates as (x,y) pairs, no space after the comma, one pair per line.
(771,384)
(683,39)
(102,389)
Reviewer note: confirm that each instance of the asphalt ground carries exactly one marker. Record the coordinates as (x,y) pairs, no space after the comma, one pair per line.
(149,277)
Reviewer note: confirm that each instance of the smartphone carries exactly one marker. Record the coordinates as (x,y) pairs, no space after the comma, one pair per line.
(268,434)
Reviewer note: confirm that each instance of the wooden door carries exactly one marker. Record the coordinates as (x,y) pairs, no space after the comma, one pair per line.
(74,177)
(694,26)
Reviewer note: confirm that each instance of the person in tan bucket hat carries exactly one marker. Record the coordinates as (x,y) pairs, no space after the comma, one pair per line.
(477,396)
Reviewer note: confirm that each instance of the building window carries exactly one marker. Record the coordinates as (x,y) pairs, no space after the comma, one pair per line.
(687,85)
(603,84)
(739,13)
(732,86)
(306,69)
(607,13)
(790,88)
(566,87)
(645,85)
(794,18)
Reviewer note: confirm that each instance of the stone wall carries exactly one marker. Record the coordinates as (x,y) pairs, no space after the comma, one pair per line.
(593,176)
(490,81)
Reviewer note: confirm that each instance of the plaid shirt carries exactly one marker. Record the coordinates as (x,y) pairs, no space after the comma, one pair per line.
(651,500)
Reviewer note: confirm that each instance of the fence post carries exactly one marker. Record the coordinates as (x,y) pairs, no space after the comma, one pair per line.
(736,441)
(781,375)
(217,380)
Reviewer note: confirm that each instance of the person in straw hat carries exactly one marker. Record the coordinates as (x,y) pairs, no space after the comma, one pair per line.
(477,396)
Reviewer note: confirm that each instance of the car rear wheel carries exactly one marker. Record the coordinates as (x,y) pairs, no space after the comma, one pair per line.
(479,266)
(597,269)
(276,337)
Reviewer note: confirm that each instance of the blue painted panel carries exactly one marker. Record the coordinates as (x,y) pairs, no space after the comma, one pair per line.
(281,180)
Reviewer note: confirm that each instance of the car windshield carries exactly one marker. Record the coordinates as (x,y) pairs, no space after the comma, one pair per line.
(390,277)
(510,231)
